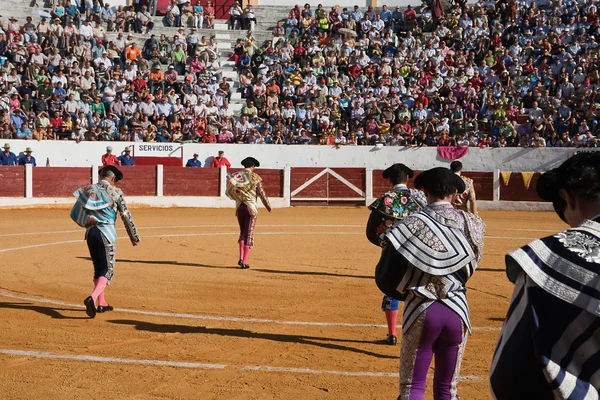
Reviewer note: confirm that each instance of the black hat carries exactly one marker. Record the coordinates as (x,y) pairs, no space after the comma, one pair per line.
(440,182)
(249,162)
(114,170)
(397,169)
(579,175)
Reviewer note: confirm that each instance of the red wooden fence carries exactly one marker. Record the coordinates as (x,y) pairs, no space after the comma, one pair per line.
(12,181)
(178,181)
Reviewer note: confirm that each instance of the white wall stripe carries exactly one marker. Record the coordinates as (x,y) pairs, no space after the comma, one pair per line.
(196,365)
(262,225)
(227,234)
(4,293)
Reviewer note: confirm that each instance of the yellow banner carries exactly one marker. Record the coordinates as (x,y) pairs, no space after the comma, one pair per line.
(505,177)
(527,176)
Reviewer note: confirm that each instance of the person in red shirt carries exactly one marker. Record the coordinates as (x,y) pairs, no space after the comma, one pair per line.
(139,83)
(220,161)
(109,158)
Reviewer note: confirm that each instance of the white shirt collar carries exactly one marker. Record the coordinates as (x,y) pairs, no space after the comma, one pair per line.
(400,186)
(439,203)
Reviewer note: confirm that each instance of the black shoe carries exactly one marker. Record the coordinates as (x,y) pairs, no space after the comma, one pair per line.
(90,308)
(245,266)
(241,264)
(103,309)
(391,340)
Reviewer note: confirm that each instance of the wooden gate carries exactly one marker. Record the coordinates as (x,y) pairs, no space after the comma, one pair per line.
(328,185)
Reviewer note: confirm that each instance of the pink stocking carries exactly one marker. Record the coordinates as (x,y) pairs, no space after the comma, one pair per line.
(242,246)
(102,300)
(100,285)
(246,254)
(391,318)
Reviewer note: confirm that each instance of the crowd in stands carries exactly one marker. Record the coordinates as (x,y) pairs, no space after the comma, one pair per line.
(494,74)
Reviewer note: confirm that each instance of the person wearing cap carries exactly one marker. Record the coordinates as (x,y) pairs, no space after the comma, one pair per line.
(7,157)
(244,187)
(109,158)
(28,158)
(548,347)
(393,206)
(466,201)
(194,162)
(126,160)
(427,261)
(220,161)
(96,210)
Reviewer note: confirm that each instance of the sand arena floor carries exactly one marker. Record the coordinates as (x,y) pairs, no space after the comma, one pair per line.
(302,323)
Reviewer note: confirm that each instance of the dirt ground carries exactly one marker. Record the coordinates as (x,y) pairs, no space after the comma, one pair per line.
(297,325)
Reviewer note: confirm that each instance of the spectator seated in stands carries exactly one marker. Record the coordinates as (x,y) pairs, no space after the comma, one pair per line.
(485,75)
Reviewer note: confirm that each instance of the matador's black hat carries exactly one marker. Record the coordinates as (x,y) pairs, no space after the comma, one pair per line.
(249,162)
(579,175)
(396,170)
(114,170)
(439,177)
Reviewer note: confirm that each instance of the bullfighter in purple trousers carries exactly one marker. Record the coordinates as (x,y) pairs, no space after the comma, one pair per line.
(429,257)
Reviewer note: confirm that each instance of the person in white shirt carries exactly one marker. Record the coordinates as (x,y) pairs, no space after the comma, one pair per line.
(164,108)
(226,111)
(59,77)
(200,109)
(86,31)
(86,81)
(110,93)
(130,73)
(104,60)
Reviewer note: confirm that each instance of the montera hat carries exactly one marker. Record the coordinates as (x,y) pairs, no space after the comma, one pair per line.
(396,170)
(439,181)
(114,170)
(249,162)
(579,175)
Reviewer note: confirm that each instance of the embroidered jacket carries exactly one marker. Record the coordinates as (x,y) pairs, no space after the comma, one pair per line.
(466,201)
(430,257)
(549,346)
(245,187)
(97,205)
(394,205)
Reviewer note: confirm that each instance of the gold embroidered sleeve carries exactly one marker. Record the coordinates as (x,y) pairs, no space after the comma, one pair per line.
(127,219)
(263,197)
(472,200)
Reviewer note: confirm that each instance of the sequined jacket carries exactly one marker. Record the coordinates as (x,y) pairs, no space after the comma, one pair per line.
(467,200)
(245,187)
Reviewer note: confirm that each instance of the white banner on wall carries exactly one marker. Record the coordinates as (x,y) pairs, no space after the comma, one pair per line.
(157,150)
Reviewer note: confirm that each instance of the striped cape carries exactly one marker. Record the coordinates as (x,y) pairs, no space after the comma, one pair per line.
(549,347)
(440,247)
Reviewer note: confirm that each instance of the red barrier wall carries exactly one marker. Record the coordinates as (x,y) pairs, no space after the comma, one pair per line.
(59,181)
(180,181)
(138,181)
(272,180)
(12,181)
(170,161)
(483,182)
(516,190)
